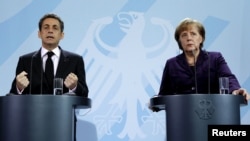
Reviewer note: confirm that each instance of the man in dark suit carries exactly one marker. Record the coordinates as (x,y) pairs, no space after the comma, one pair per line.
(31,76)
(30,71)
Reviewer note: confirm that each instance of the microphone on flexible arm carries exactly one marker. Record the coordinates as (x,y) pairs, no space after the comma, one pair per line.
(31,71)
(208,71)
(195,73)
(41,82)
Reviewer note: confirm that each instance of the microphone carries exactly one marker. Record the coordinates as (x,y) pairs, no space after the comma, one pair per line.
(41,82)
(31,71)
(208,72)
(195,73)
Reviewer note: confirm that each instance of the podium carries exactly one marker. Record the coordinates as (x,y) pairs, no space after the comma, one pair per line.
(39,117)
(188,116)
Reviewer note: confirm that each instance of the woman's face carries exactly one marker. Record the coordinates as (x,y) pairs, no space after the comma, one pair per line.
(190,39)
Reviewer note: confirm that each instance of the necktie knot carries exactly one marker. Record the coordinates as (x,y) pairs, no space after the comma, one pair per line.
(50,53)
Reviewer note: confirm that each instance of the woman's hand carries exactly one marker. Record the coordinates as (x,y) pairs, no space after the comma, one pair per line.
(242,92)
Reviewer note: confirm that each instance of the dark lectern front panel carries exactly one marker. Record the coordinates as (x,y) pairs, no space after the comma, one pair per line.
(39,117)
(188,116)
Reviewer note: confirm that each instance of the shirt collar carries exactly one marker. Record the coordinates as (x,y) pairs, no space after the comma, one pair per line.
(55,50)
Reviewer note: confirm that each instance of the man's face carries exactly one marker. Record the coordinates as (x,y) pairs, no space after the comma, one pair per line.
(50,33)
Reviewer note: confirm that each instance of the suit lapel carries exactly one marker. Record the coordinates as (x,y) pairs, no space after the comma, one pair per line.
(37,64)
(38,70)
(62,64)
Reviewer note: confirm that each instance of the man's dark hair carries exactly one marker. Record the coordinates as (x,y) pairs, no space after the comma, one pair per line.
(54,16)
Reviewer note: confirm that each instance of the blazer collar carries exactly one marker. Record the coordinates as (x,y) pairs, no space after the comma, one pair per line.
(202,58)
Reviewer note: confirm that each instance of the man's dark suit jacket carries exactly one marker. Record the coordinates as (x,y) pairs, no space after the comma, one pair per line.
(68,62)
(179,78)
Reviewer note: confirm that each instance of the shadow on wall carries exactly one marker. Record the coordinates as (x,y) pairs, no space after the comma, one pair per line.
(85,131)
